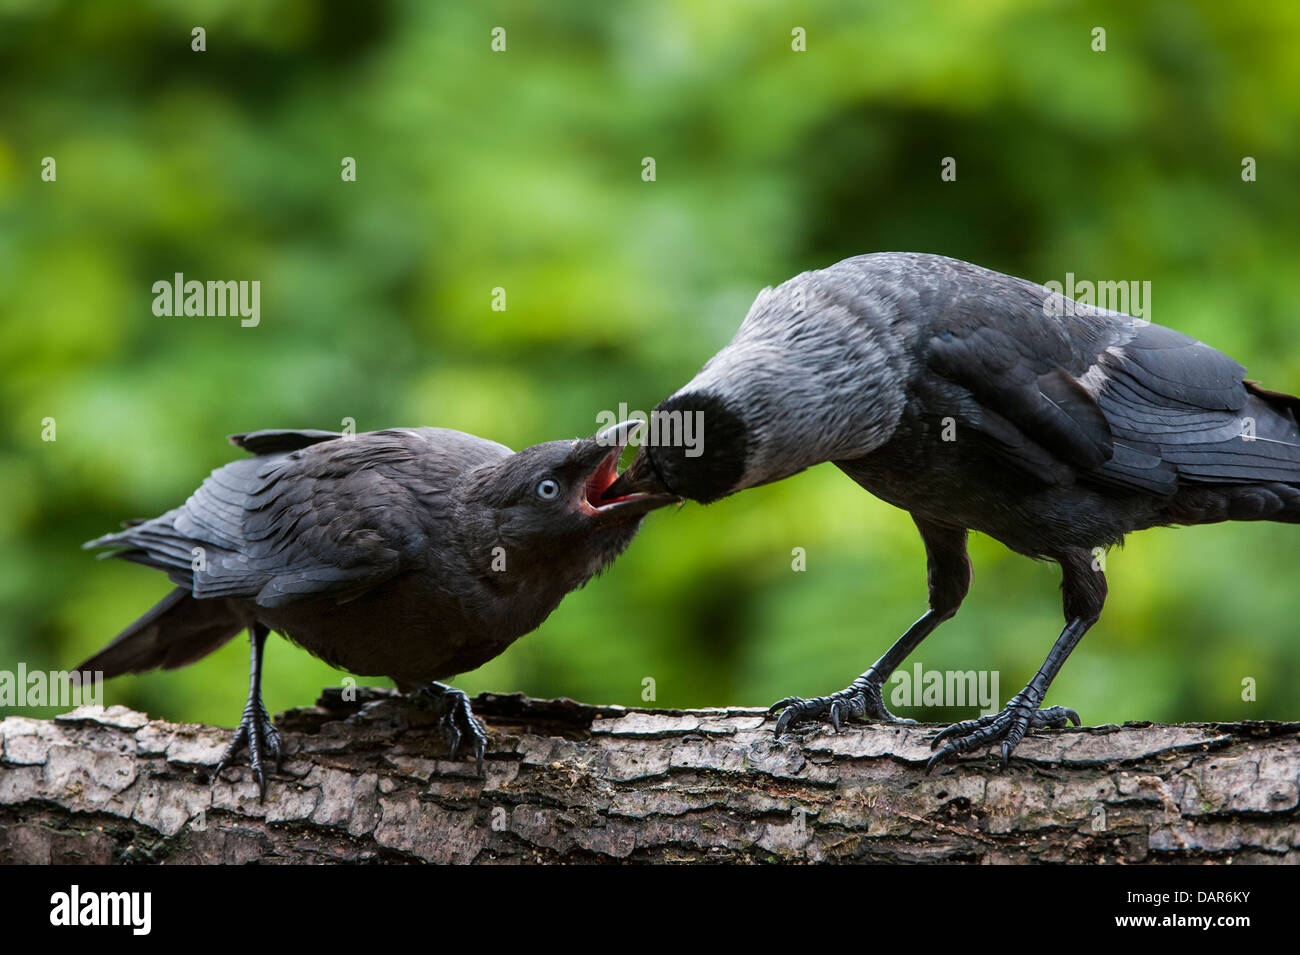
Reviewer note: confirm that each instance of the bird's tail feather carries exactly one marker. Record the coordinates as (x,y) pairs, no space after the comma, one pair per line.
(176,631)
(1273,501)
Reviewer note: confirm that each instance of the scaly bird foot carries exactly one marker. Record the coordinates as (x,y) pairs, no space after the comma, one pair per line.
(456,719)
(1009,727)
(260,735)
(861,700)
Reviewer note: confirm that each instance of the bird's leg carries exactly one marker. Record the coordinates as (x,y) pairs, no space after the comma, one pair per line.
(1083,586)
(255,727)
(864,697)
(455,717)
(949,576)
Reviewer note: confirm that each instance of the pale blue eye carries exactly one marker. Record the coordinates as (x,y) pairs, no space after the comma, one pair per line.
(548,490)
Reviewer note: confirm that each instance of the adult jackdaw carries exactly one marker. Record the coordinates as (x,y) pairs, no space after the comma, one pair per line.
(978,401)
(414,554)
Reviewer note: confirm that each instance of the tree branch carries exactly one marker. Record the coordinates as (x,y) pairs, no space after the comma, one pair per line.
(369,780)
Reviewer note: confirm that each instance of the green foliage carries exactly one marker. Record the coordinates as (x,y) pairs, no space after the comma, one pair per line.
(522,170)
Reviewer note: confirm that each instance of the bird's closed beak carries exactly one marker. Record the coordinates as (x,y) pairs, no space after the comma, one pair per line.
(603,496)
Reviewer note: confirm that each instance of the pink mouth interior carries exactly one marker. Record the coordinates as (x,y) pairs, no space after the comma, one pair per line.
(602,478)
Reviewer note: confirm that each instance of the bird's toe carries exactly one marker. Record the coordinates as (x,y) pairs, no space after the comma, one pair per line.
(257,732)
(1009,728)
(456,719)
(862,700)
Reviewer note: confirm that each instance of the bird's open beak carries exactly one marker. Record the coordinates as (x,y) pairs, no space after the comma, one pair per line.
(639,478)
(602,497)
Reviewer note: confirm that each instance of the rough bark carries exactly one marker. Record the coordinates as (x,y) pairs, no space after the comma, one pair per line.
(369,781)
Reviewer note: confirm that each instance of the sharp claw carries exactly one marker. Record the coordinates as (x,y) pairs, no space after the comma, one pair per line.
(452,735)
(477,733)
(1073,717)
(480,747)
(224,762)
(944,734)
(782,704)
(938,758)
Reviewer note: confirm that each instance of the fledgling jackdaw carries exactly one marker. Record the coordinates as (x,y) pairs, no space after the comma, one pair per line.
(978,401)
(414,554)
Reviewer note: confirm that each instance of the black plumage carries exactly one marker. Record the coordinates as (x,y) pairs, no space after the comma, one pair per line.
(979,401)
(414,554)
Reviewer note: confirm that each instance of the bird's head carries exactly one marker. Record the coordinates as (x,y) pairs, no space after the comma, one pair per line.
(698,448)
(547,503)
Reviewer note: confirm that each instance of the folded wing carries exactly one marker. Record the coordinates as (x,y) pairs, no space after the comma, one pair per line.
(1104,398)
(316,517)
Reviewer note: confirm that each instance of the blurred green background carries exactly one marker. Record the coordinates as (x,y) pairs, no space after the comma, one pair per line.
(522,170)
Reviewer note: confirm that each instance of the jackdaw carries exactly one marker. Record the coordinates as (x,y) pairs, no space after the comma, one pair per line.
(978,401)
(414,554)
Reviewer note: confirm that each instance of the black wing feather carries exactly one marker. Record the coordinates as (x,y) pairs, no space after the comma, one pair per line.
(1102,397)
(301,524)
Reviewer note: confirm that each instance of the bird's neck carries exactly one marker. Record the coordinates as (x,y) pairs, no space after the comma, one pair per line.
(804,402)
